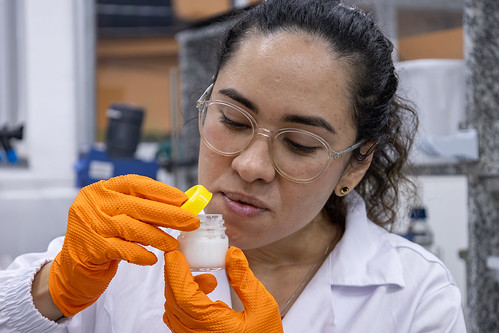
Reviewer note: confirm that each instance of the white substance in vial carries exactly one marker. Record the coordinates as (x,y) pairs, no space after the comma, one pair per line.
(205,253)
(206,247)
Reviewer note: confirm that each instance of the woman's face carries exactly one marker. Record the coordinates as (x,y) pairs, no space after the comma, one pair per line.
(281,75)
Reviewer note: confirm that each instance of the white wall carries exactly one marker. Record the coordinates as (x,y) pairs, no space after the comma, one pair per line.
(31,218)
(50,96)
(34,200)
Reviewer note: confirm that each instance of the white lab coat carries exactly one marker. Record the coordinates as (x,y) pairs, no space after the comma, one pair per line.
(373,281)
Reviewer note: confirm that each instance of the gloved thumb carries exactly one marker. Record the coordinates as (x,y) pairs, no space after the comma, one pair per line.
(248,288)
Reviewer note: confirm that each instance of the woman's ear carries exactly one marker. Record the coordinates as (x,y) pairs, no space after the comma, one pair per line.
(355,170)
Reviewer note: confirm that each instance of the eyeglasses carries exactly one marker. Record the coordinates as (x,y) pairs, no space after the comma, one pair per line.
(297,155)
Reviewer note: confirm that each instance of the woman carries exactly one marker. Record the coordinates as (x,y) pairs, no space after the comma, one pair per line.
(302,111)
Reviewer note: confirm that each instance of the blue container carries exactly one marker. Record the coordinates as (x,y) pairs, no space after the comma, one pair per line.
(97,165)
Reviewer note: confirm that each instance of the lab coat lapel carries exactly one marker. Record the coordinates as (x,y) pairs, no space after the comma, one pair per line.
(313,309)
(363,257)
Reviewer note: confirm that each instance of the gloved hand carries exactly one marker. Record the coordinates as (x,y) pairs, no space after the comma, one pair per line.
(188,309)
(106,223)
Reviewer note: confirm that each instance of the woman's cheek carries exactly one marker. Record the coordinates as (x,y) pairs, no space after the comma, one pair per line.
(207,165)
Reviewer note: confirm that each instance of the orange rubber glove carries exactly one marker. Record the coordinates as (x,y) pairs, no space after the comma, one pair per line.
(106,223)
(188,309)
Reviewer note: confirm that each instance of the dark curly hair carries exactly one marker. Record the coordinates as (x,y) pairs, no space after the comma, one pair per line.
(381,116)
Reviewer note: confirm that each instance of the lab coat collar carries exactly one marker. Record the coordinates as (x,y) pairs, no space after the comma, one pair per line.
(364,256)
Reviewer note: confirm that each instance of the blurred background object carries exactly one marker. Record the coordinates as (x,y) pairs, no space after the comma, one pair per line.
(117,156)
(7,136)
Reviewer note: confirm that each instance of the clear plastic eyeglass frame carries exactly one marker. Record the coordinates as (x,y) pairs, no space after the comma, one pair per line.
(202,105)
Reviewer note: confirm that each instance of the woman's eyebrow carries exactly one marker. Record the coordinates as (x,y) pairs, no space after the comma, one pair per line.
(236,96)
(311,121)
(297,119)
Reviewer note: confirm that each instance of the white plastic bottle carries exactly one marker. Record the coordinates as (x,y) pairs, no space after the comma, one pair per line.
(205,248)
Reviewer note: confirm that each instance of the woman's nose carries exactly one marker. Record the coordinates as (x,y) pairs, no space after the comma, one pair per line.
(254,163)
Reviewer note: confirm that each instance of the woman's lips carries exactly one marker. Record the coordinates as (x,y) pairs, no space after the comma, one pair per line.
(243,205)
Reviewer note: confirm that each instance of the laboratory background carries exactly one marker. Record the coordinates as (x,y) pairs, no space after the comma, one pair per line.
(94,89)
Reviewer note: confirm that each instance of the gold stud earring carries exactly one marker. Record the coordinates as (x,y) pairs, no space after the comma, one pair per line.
(344,190)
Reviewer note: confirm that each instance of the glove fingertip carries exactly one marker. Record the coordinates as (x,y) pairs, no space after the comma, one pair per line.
(207,282)
(168,245)
(146,259)
(173,260)
(118,249)
(172,256)
(235,257)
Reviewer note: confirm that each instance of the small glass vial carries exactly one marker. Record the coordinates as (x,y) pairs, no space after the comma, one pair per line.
(205,247)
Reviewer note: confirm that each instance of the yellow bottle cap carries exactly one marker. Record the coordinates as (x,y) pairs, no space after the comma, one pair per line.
(199,197)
